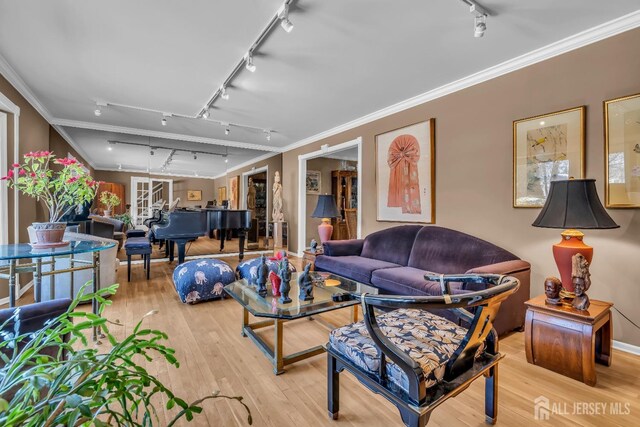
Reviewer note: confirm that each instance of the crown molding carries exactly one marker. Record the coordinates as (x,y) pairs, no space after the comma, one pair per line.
(16,81)
(249,163)
(144,172)
(576,41)
(164,135)
(63,133)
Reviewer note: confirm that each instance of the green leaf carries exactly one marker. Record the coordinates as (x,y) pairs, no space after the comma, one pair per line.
(73,401)
(4,405)
(85,411)
(171,403)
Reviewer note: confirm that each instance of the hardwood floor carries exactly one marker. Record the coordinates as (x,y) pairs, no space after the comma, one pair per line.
(214,356)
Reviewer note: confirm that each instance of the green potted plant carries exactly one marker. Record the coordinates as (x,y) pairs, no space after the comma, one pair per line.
(83,386)
(61,190)
(109,200)
(126,219)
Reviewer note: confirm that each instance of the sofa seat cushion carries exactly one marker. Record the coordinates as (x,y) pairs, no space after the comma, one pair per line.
(352,267)
(428,339)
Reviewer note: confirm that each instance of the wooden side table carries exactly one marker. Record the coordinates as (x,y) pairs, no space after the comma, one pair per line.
(310,258)
(569,341)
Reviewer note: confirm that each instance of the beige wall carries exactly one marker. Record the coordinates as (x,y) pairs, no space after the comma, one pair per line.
(474,164)
(180,185)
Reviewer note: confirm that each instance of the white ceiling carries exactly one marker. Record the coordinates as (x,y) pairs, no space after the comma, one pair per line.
(343,60)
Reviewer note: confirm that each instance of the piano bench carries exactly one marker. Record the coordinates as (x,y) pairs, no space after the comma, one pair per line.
(136,233)
(138,246)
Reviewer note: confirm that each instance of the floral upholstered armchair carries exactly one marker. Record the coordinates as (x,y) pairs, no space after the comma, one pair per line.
(417,359)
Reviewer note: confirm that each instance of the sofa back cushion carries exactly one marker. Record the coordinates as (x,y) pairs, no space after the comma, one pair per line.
(446,251)
(392,245)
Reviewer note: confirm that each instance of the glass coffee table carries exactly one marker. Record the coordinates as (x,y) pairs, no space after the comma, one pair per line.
(326,285)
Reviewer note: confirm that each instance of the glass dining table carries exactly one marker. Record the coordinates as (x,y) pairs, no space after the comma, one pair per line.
(23,258)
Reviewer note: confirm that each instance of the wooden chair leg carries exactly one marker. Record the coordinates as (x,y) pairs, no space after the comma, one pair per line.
(491,396)
(333,387)
(128,268)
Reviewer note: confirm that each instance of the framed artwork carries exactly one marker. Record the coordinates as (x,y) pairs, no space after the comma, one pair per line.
(622,152)
(194,195)
(222,194)
(405,174)
(233,192)
(546,148)
(314,182)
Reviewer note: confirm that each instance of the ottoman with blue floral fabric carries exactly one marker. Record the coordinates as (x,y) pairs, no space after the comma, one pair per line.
(202,280)
(249,269)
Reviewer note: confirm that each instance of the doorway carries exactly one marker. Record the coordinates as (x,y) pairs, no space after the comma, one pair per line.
(331,170)
(147,192)
(255,197)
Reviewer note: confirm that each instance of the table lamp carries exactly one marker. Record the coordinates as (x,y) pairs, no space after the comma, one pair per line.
(573,204)
(325,209)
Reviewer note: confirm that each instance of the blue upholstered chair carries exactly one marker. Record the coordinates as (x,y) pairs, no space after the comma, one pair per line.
(417,359)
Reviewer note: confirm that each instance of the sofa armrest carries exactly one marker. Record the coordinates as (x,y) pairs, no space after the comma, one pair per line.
(343,247)
(506,267)
(33,316)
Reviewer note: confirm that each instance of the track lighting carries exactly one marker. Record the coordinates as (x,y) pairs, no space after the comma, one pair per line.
(268,135)
(164,118)
(224,94)
(110,148)
(480,26)
(227,131)
(151,152)
(206,114)
(250,65)
(226,160)
(164,121)
(195,156)
(97,112)
(119,166)
(283,15)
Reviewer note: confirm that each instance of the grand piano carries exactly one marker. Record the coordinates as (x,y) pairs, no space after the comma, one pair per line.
(182,226)
(223,220)
(179,227)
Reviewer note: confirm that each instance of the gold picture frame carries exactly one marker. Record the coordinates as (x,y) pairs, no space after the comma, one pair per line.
(622,152)
(394,199)
(546,148)
(222,194)
(194,195)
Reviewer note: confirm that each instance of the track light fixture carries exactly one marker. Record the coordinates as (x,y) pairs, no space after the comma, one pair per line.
(283,15)
(227,131)
(268,135)
(224,94)
(250,65)
(151,152)
(97,112)
(195,156)
(480,15)
(119,166)
(226,160)
(206,114)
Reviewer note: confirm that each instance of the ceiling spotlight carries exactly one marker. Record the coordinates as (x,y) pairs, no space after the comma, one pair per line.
(226,160)
(480,25)
(119,166)
(206,114)
(164,118)
(250,65)
(164,121)
(268,135)
(284,17)
(227,131)
(195,173)
(195,156)
(111,143)
(110,148)
(223,92)
(152,152)
(97,112)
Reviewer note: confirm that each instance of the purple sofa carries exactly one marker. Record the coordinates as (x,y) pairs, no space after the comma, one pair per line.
(395,261)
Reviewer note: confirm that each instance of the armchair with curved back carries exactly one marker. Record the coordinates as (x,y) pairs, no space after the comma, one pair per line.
(423,359)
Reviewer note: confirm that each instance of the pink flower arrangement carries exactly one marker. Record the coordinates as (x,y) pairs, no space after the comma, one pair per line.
(61,190)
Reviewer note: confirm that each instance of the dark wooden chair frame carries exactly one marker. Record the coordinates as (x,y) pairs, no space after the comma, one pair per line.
(464,366)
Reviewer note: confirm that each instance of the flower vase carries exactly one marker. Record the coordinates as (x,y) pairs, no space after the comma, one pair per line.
(107,213)
(49,234)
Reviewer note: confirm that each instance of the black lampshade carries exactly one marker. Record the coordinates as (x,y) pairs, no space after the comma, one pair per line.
(326,207)
(574,203)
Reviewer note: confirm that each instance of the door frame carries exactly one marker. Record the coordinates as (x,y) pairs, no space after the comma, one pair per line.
(134,200)
(7,106)
(302,187)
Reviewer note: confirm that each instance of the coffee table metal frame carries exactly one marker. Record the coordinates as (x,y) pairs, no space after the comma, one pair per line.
(275,353)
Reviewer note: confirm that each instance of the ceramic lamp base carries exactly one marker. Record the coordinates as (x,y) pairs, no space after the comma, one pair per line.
(570,245)
(325,230)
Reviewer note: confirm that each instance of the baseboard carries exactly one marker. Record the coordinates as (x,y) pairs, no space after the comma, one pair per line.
(627,348)
(23,290)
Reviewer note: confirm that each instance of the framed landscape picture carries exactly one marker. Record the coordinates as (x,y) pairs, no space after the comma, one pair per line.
(405,174)
(194,195)
(622,152)
(314,182)
(546,148)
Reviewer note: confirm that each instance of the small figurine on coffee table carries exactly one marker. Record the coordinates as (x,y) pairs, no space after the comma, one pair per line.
(581,279)
(314,246)
(285,277)
(263,274)
(552,288)
(305,284)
